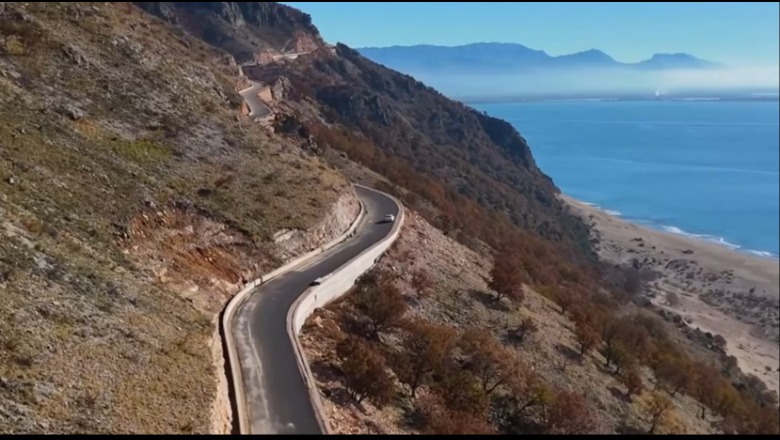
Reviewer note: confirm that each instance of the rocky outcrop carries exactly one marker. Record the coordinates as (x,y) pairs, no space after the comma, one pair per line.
(164,10)
(297,242)
(280,88)
(250,31)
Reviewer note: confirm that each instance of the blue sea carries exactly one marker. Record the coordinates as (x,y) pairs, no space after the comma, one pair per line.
(707,169)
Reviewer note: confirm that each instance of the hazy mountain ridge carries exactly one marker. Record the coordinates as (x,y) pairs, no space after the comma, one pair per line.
(505,57)
(497,71)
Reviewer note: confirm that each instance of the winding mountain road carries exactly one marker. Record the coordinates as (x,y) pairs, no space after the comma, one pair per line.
(277,398)
(257,108)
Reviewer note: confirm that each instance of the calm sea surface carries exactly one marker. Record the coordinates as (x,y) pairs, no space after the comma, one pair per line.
(702,168)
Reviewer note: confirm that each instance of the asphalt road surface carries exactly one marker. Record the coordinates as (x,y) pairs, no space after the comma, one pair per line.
(257,108)
(277,398)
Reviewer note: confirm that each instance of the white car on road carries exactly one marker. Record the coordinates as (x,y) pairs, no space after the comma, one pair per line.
(389,218)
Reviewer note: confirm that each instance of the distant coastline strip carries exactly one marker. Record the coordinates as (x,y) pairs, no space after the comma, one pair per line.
(677,231)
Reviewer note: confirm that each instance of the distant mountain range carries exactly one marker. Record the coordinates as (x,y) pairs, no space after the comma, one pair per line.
(509,58)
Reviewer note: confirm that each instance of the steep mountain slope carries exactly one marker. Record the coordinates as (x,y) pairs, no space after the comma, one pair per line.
(134,199)
(536,332)
(478,157)
(470,174)
(248,30)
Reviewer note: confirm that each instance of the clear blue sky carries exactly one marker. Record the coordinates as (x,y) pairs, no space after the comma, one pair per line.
(732,33)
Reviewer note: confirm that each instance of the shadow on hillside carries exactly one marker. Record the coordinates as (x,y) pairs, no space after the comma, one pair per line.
(567,352)
(619,395)
(329,378)
(412,417)
(488,300)
(324,372)
(353,325)
(624,428)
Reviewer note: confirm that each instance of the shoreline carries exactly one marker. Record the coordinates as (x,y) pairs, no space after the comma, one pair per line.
(715,287)
(674,230)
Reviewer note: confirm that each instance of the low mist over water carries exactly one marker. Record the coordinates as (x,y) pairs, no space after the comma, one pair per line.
(604,82)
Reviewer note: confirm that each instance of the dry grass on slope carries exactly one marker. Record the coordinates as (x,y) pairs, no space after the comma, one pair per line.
(126,169)
(460,299)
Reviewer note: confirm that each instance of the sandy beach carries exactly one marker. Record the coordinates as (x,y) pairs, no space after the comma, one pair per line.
(716,289)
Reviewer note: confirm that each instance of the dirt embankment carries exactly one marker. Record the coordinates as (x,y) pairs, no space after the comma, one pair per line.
(292,243)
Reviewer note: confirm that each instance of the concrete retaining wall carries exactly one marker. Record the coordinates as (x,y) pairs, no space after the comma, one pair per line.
(332,287)
(243,294)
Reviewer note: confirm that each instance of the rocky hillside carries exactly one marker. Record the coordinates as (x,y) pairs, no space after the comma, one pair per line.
(135,196)
(532,364)
(474,156)
(445,152)
(248,30)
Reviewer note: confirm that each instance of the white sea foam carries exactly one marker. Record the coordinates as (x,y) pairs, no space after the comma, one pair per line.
(712,238)
(677,231)
(721,241)
(764,254)
(608,211)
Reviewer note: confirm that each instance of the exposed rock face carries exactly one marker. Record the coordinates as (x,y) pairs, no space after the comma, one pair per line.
(250,31)
(163,10)
(341,216)
(280,88)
